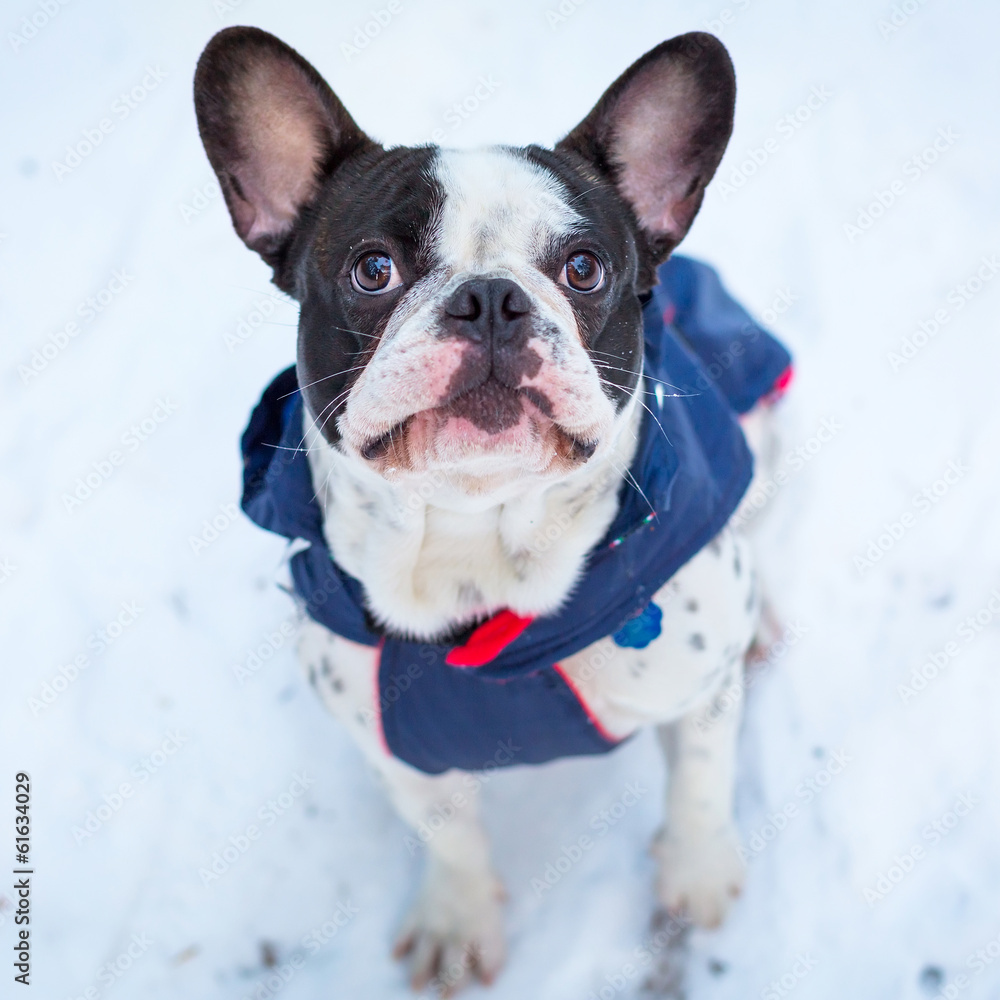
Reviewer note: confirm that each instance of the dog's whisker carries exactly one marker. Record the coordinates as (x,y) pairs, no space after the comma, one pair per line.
(268,293)
(646,392)
(627,475)
(658,424)
(357,333)
(342,371)
(680,392)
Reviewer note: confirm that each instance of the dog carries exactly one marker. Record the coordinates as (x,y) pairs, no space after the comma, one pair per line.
(505,477)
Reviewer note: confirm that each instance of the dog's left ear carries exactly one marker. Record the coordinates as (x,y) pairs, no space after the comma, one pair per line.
(659,133)
(273,131)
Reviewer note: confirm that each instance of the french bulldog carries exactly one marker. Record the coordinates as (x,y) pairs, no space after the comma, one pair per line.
(476,394)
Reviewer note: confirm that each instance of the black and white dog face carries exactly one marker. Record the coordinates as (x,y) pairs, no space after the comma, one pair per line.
(473,311)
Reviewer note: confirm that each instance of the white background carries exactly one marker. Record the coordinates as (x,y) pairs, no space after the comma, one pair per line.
(780,236)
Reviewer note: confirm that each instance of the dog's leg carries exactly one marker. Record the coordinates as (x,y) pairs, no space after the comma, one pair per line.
(455,929)
(701,870)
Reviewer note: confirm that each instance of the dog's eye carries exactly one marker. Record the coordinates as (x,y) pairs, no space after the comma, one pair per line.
(374,273)
(583,272)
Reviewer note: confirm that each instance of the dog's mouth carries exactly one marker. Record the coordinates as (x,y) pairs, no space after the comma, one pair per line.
(488,417)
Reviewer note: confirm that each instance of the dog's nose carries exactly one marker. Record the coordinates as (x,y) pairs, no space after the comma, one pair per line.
(488,310)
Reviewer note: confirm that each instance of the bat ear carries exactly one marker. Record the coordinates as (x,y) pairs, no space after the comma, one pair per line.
(659,133)
(273,131)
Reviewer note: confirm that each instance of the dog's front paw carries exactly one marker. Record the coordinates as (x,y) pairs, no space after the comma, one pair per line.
(455,930)
(699,876)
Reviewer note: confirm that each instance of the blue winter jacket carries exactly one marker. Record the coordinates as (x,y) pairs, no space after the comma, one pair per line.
(692,464)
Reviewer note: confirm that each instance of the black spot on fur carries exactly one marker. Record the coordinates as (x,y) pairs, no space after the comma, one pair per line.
(697,641)
(692,605)
(338,685)
(325,668)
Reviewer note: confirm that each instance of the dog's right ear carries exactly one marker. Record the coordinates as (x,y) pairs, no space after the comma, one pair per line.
(273,131)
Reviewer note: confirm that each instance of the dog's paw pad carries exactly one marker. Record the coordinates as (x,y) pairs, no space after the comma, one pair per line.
(700,877)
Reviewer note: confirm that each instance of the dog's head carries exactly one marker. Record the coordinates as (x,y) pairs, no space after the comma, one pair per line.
(473,311)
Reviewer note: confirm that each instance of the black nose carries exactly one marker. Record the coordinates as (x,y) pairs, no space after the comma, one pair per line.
(488,311)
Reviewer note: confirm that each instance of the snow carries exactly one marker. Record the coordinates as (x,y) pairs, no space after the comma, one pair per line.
(157,353)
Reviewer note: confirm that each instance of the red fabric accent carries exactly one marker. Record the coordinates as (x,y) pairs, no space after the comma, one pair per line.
(488,640)
(781,384)
(593,719)
(669,313)
(378,699)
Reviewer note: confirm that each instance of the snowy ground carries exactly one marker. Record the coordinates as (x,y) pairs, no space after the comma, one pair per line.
(161,707)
